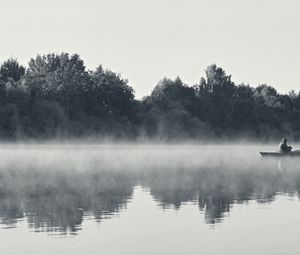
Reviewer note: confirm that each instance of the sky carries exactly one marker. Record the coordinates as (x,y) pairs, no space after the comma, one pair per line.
(256,41)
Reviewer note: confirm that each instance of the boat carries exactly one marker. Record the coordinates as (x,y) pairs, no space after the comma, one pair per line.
(295,153)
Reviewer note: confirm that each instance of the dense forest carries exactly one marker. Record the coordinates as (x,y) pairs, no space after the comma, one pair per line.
(57,97)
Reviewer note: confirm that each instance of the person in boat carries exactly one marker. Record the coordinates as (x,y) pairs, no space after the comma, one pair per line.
(283,147)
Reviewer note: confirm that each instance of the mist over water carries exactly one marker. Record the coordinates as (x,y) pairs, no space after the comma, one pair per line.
(60,189)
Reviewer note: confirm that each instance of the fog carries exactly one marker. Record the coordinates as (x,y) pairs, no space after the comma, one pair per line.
(55,186)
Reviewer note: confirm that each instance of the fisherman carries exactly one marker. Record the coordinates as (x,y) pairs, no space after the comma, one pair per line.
(283,147)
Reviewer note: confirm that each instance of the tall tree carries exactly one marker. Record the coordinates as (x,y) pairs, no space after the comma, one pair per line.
(58,77)
(216,93)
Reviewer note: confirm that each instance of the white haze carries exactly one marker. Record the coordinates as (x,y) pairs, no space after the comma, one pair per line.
(178,198)
(83,157)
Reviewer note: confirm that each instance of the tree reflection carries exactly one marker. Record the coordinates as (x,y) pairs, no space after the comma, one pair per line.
(216,188)
(58,201)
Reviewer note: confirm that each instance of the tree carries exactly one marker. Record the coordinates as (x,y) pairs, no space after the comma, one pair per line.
(267,95)
(10,70)
(169,94)
(169,112)
(10,75)
(110,94)
(61,78)
(216,95)
(244,110)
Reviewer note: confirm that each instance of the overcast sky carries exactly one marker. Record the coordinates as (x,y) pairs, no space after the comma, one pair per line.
(257,41)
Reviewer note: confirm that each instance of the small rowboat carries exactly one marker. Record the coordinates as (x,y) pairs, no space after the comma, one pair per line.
(295,153)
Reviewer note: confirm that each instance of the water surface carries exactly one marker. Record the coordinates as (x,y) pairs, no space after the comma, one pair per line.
(142,199)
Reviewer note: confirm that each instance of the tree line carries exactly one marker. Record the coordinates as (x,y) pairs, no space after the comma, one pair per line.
(57,97)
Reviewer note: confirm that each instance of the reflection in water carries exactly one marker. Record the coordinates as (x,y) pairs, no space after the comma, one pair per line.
(58,202)
(56,195)
(216,188)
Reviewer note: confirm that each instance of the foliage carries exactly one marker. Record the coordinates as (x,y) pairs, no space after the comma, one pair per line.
(56,96)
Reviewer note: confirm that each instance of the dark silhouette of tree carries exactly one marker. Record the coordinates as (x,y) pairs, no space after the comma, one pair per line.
(216,94)
(10,70)
(170,110)
(56,96)
(244,110)
(61,78)
(112,93)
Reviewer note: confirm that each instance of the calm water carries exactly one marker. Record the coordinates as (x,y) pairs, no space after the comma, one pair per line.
(147,200)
